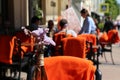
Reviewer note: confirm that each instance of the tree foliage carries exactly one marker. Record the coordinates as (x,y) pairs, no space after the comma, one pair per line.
(113,8)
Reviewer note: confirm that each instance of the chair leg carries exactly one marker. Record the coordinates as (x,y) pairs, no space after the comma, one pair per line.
(112,57)
(105,57)
(98,75)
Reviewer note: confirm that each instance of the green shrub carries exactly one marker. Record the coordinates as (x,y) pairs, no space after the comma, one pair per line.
(100,26)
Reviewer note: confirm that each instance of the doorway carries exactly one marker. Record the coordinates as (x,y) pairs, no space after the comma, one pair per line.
(6,13)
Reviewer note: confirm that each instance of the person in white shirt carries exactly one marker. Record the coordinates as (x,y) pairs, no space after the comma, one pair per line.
(64,24)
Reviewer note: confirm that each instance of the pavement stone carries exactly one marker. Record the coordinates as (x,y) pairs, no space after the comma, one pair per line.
(110,71)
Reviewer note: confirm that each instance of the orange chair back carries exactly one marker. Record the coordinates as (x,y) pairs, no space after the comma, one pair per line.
(6,48)
(103,37)
(25,39)
(113,36)
(57,38)
(73,46)
(90,38)
(69,68)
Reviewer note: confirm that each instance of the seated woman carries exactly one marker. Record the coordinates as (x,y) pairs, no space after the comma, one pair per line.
(52,28)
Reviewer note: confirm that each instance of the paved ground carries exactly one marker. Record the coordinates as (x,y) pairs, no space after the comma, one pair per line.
(110,71)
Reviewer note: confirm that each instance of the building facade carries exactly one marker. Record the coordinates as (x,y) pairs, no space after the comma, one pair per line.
(13,11)
(19,12)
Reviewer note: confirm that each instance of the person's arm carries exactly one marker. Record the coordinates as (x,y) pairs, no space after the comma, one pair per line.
(86,26)
(81,31)
(72,32)
(83,28)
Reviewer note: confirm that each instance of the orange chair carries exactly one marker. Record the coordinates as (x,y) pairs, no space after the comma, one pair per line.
(69,68)
(6,54)
(106,41)
(89,38)
(6,48)
(91,44)
(57,38)
(25,39)
(113,36)
(103,37)
(74,46)
(9,59)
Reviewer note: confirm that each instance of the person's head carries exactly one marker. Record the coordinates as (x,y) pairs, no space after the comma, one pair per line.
(108,18)
(35,20)
(63,23)
(84,13)
(50,24)
(66,6)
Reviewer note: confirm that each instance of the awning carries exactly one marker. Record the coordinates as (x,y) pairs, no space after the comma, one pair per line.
(98,16)
(93,14)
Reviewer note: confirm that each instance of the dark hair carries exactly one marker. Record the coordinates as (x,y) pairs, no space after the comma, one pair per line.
(34,19)
(63,22)
(84,11)
(50,22)
(108,17)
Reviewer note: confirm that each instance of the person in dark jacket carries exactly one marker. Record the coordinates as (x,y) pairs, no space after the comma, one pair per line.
(108,25)
(35,22)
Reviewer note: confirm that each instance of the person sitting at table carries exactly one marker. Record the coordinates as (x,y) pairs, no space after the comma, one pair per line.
(35,22)
(52,29)
(64,28)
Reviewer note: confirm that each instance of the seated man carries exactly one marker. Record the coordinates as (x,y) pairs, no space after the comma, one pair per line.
(64,24)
